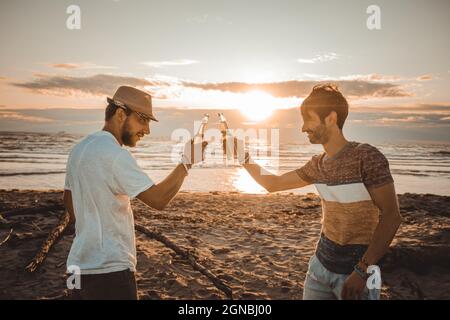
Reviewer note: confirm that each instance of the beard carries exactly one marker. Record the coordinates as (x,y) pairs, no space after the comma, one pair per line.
(128,135)
(319,135)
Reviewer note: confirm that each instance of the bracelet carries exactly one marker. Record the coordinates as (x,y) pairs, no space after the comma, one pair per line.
(360,272)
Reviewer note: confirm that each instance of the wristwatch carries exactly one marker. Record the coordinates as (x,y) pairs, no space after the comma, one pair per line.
(360,272)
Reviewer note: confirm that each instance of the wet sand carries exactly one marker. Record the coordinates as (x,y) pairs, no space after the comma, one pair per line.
(259,245)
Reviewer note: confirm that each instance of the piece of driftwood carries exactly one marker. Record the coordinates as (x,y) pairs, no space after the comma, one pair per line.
(54,235)
(6,238)
(15,225)
(32,210)
(3,220)
(4,224)
(188,256)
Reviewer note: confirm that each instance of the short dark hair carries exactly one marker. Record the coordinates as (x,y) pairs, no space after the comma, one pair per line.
(111,109)
(324,99)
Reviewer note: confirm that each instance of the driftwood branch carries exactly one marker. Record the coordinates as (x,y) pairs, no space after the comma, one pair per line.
(4,224)
(54,235)
(57,232)
(7,237)
(188,256)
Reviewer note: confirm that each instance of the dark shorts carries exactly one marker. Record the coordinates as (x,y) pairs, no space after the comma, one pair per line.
(119,285)
(336,258)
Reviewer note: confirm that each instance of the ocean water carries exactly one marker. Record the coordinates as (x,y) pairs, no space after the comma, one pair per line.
(38,161)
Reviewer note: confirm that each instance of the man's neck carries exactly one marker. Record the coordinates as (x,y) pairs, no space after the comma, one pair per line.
(334,144)
(114,132)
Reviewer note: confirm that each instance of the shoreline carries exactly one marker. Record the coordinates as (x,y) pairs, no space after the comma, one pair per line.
(258,244)
(213,192)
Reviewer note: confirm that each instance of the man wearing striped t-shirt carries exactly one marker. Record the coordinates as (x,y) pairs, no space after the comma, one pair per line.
(359,204)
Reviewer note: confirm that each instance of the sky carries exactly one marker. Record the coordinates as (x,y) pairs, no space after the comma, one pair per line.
(254,56)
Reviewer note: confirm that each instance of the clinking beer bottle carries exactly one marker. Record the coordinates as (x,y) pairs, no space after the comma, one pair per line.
(228,138)
(224,132)
(199,137)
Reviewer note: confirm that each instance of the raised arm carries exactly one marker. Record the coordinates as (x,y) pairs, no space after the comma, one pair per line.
(274,183)
(159,195)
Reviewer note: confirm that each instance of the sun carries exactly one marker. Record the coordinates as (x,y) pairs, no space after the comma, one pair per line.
(257,105)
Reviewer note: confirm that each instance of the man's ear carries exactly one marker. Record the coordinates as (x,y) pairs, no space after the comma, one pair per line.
(331,118)
(120,113)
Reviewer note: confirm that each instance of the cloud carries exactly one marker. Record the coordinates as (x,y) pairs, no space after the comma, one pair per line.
(387,78)
(167,88)
(425,77)
(324,57)
(415,109)
(301,88)
(420,115)
(64,66)
(375,77)
(97,85)
(364,126)
(11,115)
(84,65)
(405,119)
(316,76)
(170,63)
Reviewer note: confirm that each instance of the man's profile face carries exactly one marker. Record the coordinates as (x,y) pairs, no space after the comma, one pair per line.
(317,131)
(134,129)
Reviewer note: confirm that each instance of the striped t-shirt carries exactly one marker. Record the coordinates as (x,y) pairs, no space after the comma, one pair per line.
(349,216)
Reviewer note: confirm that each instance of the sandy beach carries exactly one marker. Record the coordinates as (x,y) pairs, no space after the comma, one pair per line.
(258,245)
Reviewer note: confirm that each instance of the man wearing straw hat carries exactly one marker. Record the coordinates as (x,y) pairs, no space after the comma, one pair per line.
(101,179)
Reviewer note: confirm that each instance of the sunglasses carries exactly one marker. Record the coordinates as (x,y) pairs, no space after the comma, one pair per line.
(144,118)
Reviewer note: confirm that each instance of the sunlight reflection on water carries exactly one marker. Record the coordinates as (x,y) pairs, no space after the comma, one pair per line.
(243,182)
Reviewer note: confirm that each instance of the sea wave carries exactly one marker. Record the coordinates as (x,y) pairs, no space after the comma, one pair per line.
(11,174)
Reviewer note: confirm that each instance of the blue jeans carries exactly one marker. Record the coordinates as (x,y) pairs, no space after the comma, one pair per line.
(321,284)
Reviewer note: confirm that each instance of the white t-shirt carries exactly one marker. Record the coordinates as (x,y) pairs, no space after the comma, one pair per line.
(103,177)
